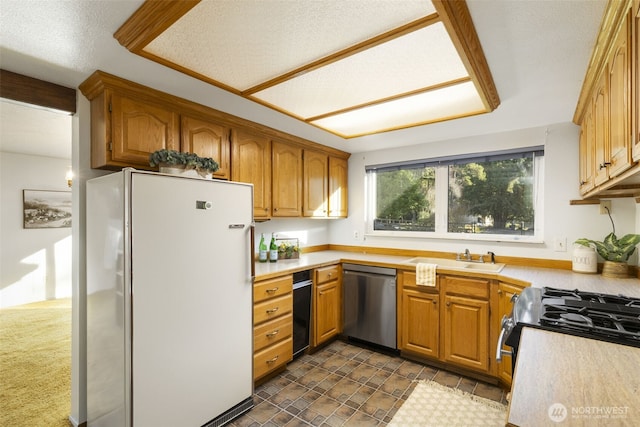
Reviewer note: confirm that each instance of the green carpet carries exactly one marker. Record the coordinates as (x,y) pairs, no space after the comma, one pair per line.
(35,364)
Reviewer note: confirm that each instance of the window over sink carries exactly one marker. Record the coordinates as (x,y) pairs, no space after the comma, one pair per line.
(482,196)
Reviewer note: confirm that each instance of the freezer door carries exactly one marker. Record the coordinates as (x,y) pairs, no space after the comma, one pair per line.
(191,299)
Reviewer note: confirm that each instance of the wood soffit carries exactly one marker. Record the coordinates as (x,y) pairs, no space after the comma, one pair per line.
(37,92)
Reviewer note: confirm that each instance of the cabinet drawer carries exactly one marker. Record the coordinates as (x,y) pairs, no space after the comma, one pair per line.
(271,332)
(272,288)
(409,279)
(272,308)
(474,288)
(326,274)
(272,358)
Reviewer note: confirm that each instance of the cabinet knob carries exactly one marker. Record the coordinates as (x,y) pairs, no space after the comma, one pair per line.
(448,303)
(499,291)
(275,209)
(434,302)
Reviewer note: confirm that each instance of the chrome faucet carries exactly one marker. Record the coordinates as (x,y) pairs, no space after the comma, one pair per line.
(467,255)
(493,257)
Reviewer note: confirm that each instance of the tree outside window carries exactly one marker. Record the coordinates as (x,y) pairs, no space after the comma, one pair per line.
(492,194)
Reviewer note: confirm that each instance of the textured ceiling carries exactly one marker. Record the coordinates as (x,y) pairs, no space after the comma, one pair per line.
(537,51)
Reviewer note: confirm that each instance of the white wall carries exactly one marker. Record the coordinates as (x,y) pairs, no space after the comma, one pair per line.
(35,263)
(561,220)
(309,232)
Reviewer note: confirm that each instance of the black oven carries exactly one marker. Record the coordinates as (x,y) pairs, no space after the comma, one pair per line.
(605,317)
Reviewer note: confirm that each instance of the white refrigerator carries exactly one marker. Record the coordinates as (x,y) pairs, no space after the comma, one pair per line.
(169,300)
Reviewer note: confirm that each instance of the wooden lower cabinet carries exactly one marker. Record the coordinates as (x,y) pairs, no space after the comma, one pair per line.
(465,322)
(420,322)
(327,304)
(272,325)
(272,357)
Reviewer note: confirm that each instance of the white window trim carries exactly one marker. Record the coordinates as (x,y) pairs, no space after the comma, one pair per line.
(440,232)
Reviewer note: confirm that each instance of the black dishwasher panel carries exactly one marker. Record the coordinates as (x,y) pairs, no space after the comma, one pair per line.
(301,311)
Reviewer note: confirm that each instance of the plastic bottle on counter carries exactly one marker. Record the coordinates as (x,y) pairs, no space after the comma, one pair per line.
(262,249)
(273,249)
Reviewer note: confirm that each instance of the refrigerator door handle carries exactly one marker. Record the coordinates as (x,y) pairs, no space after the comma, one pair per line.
(252,246)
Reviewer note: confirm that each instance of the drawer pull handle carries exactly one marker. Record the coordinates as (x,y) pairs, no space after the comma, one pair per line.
(272,290)
(270,361)
(272,310)
(273,334)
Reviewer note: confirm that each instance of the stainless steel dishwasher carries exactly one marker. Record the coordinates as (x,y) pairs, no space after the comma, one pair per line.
(370,304)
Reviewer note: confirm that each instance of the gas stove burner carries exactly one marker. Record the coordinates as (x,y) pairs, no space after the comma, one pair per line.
(594,297)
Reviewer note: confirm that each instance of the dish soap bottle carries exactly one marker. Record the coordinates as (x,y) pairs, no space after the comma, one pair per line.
(262,249)
(273,249)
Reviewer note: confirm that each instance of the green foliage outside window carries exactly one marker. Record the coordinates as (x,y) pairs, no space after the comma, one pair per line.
(492,196)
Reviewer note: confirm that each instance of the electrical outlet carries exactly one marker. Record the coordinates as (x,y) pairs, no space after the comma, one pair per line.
(356,235)
(604,205)
(560,244)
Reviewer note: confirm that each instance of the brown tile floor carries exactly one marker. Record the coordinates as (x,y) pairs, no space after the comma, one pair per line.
(347,385)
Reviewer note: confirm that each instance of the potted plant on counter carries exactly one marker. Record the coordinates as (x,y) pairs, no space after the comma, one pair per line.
(181,163)
(615,252)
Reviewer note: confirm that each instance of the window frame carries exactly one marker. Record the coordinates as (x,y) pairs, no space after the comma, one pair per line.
(441,166)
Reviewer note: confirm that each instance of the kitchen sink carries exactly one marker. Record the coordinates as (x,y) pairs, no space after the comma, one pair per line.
(458,265)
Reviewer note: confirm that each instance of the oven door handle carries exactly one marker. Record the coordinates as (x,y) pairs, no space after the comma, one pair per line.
(499,351)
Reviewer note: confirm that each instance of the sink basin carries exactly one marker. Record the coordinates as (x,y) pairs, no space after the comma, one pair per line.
(493,268)
(458,265)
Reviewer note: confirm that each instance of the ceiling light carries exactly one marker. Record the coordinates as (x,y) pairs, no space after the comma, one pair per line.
(352,68)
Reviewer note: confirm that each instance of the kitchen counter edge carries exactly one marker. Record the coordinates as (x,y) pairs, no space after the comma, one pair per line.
(519,275)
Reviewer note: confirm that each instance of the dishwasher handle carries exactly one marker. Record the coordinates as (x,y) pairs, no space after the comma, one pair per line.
(384,277)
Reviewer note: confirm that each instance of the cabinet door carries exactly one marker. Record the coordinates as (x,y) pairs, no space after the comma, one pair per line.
(505,293)
(286,161)
(587,147)
(338,183)
(601,129)
(636,74)
(315,184)
(327,304)
(620,138)
(251,162)
(466,332)
(207,139)
(140,128)
(419,322)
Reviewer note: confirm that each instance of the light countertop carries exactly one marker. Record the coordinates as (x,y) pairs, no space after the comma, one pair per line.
(537,277)
(588,383)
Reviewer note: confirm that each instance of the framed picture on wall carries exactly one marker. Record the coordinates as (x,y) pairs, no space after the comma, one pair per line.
(46,209)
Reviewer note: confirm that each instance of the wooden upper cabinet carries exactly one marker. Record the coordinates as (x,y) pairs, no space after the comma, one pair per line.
(207,139)
(338,183)
(601,129)
(315,184)
(251,162)
(587,148)
(286,175)
(324,186)
(138,129)
(635,126)
(620,137)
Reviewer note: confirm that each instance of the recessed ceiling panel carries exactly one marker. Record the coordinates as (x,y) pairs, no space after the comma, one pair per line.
(244,43)
(447,103)
(418,60)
